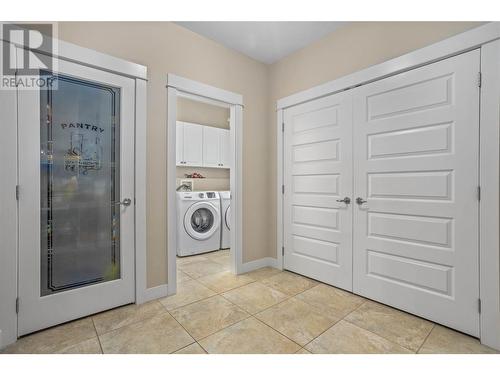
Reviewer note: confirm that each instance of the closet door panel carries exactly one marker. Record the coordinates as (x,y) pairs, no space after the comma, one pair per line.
(416,148)
(317,175)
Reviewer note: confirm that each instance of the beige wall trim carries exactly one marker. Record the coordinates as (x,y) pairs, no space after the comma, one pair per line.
(279,187)
(485,37)
(489,180)
(85,56)
(452,46)
(203,90)
(260,263)
(155,292)
(140,190)
(8,216)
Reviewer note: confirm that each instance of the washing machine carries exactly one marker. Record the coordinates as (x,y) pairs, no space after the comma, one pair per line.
(198,222)
(225,227)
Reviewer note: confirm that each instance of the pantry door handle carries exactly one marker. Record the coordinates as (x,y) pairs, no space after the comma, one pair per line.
(125,202)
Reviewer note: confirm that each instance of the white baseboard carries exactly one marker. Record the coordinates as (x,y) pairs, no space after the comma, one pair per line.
(153,293)
(259,263)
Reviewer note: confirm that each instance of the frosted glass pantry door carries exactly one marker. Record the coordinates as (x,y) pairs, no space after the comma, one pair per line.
(76,145)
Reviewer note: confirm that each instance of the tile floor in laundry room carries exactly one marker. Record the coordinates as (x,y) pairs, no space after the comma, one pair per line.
(264,311)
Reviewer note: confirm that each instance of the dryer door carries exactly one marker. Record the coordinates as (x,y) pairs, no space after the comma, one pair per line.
(201,220)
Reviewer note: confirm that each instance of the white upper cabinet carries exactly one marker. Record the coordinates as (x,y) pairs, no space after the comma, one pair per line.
(193,144)
(189,144)
(202,146)
(211,147)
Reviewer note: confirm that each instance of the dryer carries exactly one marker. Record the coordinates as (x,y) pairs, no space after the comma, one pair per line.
(225,228)
(198,222)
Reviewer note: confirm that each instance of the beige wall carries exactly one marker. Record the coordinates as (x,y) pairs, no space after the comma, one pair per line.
(351,48)
(202,113)
(165,48)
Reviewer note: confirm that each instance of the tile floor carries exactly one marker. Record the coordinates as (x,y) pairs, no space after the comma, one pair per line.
(264,311)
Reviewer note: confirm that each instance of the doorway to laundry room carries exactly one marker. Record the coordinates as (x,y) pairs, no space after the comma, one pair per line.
(204,200)
(203,190)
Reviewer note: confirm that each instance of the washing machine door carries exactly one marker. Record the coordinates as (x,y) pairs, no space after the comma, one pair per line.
(201,220)
(227,218)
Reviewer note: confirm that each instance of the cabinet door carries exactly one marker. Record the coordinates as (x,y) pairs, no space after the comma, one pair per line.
(211,147)
(193,145)
(179,144)
(225,148)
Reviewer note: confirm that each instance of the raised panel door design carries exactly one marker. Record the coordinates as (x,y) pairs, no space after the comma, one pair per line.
(318,173)
(416,138)
(211,146)
(192,144)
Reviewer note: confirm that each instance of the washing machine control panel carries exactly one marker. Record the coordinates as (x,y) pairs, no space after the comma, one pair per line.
(210,194)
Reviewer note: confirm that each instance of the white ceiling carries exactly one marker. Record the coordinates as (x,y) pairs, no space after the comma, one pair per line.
(264,41)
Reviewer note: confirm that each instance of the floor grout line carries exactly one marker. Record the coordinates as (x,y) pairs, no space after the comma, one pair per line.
(293,296)
(184,328)
(128,324)
(249,314)
(336,322)
(98,338)
(376,334)
(426,337)
(289,296)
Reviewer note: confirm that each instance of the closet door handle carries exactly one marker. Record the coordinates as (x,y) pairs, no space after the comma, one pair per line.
(346,200)
(360,201)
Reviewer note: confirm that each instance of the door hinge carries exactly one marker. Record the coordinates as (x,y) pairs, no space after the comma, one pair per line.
(283,127)
(17,192)
(479,193)
(282,250)
(479,79)
(282,189)
(479,305)
(17,305)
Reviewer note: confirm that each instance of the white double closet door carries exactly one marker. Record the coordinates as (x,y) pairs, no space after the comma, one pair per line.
(408,147)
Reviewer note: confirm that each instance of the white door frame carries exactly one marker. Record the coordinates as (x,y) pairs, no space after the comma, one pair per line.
(186,88)
(8,144)
(486,37)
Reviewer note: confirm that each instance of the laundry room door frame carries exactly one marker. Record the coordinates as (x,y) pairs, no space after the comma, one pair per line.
(186,88)
(487,38)
(9,225)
